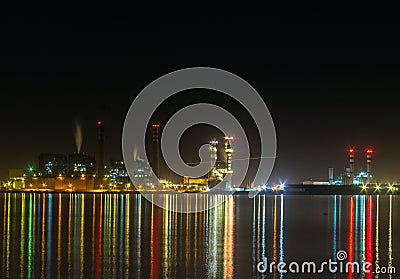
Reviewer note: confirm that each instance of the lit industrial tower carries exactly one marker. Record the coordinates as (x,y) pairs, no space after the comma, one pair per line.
(369,159)
(351,152)
(100,156)
(228,152)
(213,156)
(156,153)
(213,149)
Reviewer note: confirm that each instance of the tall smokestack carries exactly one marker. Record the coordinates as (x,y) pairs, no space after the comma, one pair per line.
(228,152)
(156,153)
(213,157)
(369,159)
(351,161)
(330,176)
(100,155)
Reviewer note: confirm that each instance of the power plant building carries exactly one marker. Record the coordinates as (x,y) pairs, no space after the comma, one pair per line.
(79,164)
(52,164)
(349,176)
(222,169)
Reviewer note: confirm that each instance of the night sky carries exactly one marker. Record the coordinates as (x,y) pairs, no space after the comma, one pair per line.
(330,79)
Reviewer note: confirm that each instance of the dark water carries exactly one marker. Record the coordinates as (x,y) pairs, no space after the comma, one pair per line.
(120,235)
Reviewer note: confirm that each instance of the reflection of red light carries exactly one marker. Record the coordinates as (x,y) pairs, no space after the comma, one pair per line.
(99,122)
(154,247)
(155,126)
(351,235)
(99,247)
(369,235)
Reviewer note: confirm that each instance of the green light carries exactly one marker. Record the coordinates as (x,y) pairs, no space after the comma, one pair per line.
(30,169)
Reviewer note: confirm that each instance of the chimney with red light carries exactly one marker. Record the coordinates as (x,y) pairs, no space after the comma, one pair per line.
(351,152)
(369,159)
(100,155)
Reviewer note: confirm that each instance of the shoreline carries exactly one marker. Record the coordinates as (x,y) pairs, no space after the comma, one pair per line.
(306,190)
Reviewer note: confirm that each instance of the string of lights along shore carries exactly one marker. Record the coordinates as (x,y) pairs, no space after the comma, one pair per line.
(86,173)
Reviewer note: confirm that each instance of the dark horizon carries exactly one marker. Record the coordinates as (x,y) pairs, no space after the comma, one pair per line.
(329,82)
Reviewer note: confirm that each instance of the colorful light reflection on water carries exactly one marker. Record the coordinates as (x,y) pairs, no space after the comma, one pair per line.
(117,235)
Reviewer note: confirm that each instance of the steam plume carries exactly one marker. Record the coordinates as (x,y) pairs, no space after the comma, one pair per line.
(78,136)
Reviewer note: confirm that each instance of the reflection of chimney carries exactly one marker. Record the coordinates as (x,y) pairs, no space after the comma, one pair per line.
(100,155)
(351,159)
(369,159)
(156,153)
(330,176)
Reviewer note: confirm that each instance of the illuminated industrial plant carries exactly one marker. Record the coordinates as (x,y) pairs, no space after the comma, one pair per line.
(67,173)
(81,172)
(349,176)
(363,177)
(221,169)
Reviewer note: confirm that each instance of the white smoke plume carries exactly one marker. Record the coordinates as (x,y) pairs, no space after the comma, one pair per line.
(78,136)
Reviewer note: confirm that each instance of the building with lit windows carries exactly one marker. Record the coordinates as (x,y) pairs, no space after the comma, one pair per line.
(52,165)
(141,173)
(117,173)
(79,164)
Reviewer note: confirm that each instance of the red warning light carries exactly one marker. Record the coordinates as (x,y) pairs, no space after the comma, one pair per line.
(370,151)
(99,123)
(155,126)
(351,150)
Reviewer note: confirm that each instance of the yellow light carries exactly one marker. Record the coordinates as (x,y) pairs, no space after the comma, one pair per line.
(364,187)
(378,187)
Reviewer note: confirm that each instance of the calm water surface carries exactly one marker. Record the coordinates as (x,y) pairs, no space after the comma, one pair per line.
(123,235)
